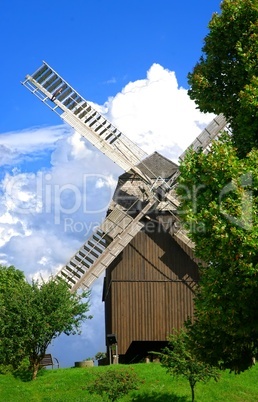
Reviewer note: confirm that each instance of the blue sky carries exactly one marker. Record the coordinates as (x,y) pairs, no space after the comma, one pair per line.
(131,59)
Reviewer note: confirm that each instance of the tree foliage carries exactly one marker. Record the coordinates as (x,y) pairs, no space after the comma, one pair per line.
(13,315)
(225,80)
(180,360)
(219,207)
(32,315)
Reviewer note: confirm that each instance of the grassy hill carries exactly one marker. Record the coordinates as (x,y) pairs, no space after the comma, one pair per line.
(68,385)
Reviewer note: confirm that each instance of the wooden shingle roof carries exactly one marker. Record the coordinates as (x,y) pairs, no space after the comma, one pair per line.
(157,165)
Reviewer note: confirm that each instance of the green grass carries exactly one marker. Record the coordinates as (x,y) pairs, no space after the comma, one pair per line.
(68,385)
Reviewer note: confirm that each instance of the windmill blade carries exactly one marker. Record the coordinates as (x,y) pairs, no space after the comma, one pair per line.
(59,96)
(105,244)
(207,135)
(203,141)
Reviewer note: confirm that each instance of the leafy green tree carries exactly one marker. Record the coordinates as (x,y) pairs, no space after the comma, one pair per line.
(13,315)
(225,80)
(100,355)
(32,315)
(180,360)
(54,310)
(219,207)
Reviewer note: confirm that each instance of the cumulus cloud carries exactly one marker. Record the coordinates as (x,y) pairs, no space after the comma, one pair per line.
(47,214)
(157,114)
(49,211)
(16,146)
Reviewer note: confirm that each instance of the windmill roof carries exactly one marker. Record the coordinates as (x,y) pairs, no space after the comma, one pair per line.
(157,165)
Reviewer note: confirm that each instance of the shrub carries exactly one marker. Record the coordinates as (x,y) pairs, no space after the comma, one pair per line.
(114,383)
(6,368)
(100,355)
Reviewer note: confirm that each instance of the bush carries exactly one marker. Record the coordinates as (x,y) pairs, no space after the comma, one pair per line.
(114,383)
(6,368)
(100,355)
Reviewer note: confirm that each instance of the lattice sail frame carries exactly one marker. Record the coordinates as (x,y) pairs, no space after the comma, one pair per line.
(59,96)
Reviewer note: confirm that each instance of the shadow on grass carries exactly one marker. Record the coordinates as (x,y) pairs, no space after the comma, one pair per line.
(25,375)
(158,397)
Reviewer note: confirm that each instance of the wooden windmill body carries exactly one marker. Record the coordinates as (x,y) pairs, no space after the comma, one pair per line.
(148,258)
(149,287)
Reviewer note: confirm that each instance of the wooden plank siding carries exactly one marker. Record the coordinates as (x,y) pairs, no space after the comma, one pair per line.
(148,289)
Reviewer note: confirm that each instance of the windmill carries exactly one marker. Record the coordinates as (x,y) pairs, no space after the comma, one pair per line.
(148,258)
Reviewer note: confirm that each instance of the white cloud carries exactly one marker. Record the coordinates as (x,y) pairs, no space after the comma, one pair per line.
(17,146)
(47,213)
(157,114)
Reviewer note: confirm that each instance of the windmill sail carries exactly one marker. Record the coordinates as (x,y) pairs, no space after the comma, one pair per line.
(207,135)
(105,244)
(203,141)
(59,96)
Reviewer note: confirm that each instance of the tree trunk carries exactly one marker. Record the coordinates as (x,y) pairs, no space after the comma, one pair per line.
(35,360)
(192,389)
(192,385)
(35,369)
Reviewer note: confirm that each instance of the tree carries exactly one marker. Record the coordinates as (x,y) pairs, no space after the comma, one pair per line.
(13,315)
(100,355)
(34,314)
(225,80)
(54,310)
(219,208)
(180,360)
